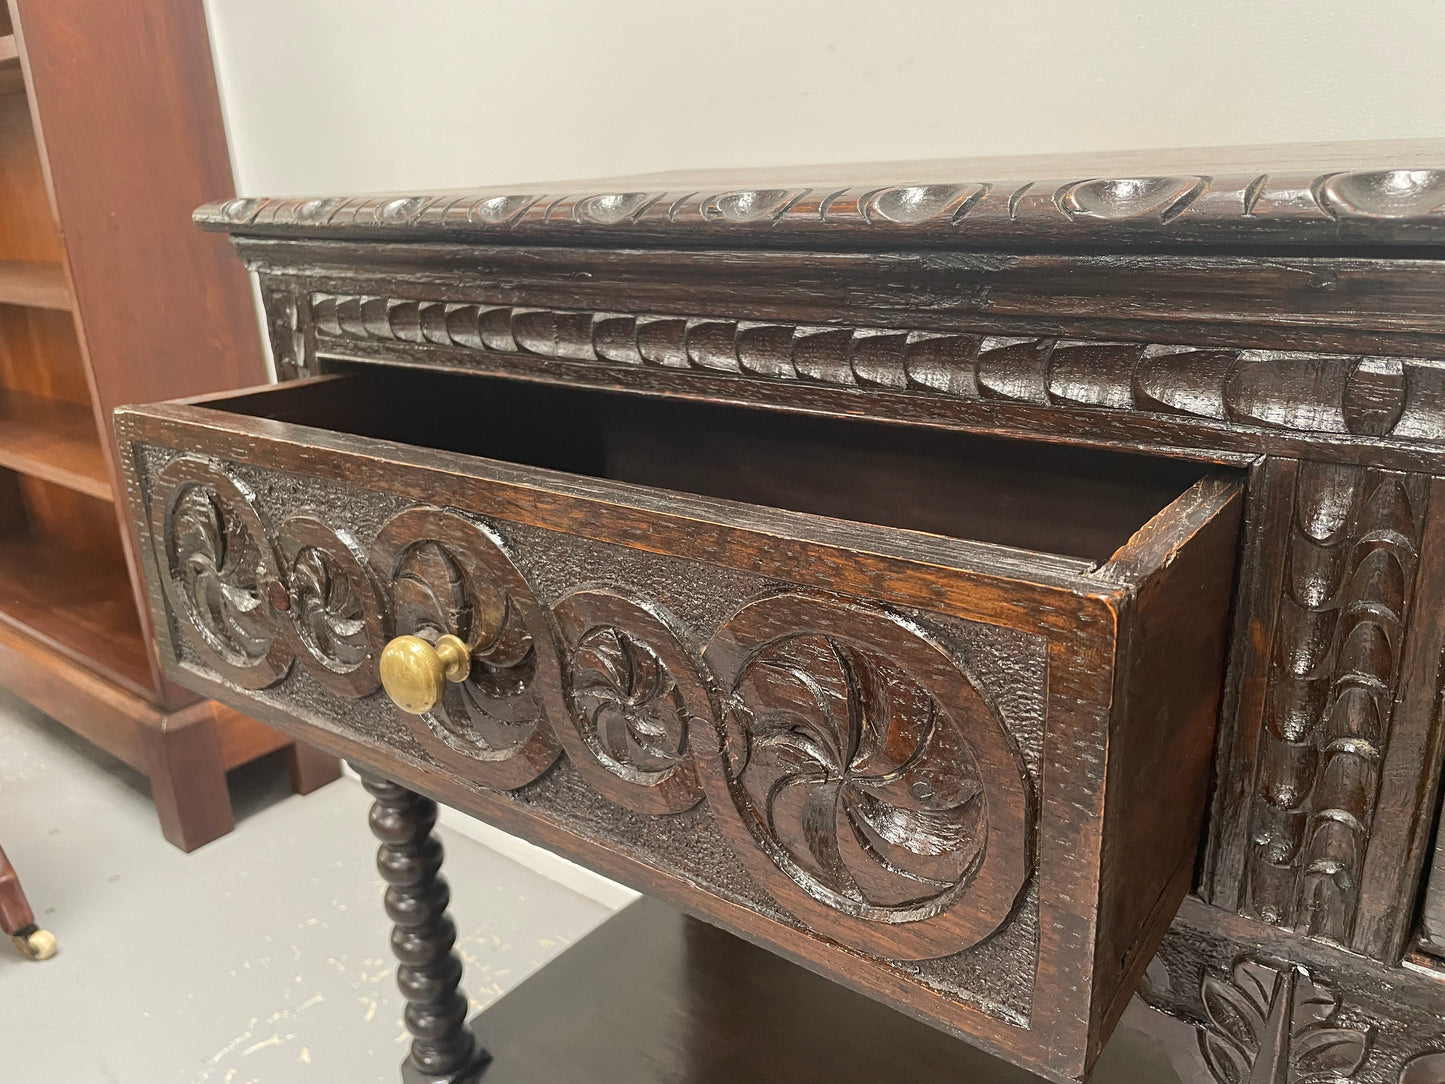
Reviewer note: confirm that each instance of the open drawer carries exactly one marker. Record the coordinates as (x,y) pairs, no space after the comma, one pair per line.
(927,711)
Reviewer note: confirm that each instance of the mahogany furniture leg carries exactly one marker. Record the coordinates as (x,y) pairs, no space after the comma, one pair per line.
(188,781)
(310,768)
(16,918)
(443,1049)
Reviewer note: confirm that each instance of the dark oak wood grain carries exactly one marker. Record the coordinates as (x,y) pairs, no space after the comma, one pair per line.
(879,791)
(928,572)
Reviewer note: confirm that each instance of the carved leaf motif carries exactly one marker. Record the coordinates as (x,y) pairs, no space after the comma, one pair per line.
(429,584)
(448,574)
(1274,1026)
(1386,193)
(912,203)
(503,663)
(751,205)
(854,774)
(1131,197)
(1236,1012)
(1324,1054)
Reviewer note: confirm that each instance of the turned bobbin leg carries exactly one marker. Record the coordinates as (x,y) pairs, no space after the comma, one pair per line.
(443,1049)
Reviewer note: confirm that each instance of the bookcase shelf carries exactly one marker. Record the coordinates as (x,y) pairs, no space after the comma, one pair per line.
(53,440)
(33,282)
(77,602)
(108,295)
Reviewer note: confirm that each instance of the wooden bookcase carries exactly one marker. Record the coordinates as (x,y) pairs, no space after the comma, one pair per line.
(110,134)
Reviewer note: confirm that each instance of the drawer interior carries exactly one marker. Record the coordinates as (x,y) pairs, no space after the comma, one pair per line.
(1071,502)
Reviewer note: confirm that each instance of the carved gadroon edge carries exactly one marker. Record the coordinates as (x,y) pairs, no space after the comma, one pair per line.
(862,778)
(1323,396)
(1394,205)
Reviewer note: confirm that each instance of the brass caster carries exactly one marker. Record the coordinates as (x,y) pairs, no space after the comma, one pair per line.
(35,943)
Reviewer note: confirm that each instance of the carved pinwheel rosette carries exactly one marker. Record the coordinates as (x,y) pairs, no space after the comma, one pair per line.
(864,781)
(449,575)
(218,566)
(338,616)
(634,693)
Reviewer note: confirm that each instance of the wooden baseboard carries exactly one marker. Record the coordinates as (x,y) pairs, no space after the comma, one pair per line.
(98,710)
(185,752)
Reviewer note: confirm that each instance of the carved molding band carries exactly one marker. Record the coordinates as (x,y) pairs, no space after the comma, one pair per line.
(1186,206)
(1400,398)
(859,773)
(1339,637)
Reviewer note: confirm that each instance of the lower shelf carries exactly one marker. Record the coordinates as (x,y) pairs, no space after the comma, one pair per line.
(54,440)
(653,996)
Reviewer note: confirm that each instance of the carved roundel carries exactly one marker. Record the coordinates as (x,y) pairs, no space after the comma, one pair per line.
(864,781)
(338,617)
(448,574)
(634,693)
(218,568)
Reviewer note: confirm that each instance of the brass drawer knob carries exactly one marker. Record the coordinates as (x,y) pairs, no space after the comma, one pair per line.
(415,672)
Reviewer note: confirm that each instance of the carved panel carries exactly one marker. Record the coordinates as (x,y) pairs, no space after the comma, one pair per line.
(1399,398)
(863,777)
(636,697)
(859,773)
(1335,661)
(451,575)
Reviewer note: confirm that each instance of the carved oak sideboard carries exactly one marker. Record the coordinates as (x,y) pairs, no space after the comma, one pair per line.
(1005,597)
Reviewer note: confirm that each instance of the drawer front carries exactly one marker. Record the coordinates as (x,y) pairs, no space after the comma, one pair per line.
(895,756)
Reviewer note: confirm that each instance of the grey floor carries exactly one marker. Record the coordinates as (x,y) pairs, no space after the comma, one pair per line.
(261,957)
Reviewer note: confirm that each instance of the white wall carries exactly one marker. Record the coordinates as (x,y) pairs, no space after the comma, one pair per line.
(356,95)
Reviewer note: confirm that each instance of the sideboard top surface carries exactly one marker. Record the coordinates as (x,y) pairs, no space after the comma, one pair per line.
(1340,197)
